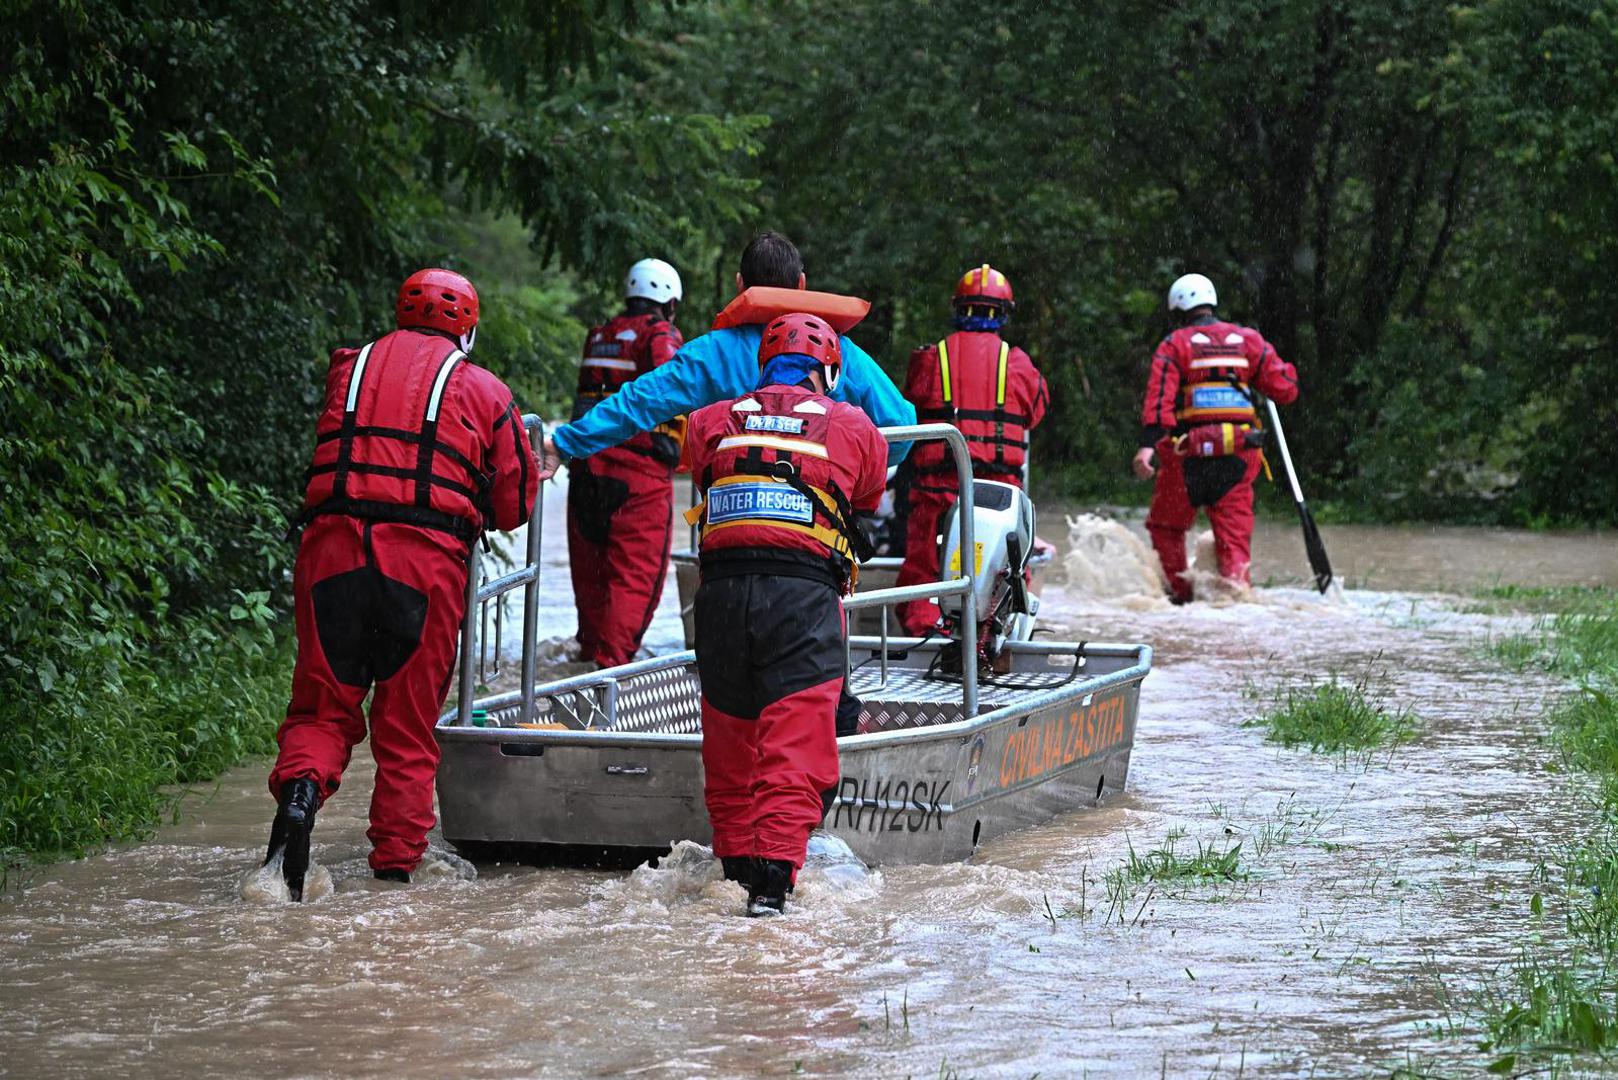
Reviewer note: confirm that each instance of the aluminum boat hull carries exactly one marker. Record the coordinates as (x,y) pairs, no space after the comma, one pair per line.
(619,766)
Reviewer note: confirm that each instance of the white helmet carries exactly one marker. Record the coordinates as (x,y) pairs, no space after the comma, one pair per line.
(655,280)
(1191,291)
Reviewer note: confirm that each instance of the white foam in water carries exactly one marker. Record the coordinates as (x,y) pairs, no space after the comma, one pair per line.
(264,884)
(1105,561)
(831,867)
(439,865)
(1206,582)
(690,872)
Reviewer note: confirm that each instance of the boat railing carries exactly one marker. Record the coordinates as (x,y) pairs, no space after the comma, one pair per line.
(476,667)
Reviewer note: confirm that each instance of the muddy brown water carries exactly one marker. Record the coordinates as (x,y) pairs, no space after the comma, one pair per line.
(1374,885)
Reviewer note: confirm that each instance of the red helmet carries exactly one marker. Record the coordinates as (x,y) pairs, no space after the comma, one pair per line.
(803,335)
(438,300)
(984,285)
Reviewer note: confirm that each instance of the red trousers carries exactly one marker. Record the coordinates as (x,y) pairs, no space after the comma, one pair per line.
(378,606)
(1222,486)
(770,655)
(927,509)
(619,527)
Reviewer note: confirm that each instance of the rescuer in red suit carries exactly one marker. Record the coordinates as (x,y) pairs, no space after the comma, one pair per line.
(783,469)
(993,393)
(620,501)
(417,450)
(1200,421)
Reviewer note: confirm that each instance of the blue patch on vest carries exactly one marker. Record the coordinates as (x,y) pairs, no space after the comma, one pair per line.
(787,425)
(771,501)
(1225,398)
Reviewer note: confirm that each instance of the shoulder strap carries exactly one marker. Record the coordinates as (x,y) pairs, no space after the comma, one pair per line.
(345,435)
(1000,378)
(429,428)
(943,370)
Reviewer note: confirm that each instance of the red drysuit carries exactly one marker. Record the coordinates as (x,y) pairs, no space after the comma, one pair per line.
(782,470)
(1204,374)
(417,450)
(995,395)
(620,501)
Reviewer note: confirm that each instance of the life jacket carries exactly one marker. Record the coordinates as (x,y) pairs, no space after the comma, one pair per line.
(1213,382)
(771,481)
(616,353)
(970,393)
(394,442)
(764,303)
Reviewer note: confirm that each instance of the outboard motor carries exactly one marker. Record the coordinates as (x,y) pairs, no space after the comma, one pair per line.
(1003,533)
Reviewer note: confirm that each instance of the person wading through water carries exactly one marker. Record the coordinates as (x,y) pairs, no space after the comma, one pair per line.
(417,451)
(620,501)
(1200,424)
(783,470)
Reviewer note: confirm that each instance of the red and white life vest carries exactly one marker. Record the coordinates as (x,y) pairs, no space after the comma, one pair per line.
(408,435)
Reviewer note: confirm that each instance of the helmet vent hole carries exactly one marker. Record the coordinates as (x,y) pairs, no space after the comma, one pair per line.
(448,296)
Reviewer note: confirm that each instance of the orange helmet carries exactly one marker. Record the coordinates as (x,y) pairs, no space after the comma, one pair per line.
(803,335)
(987,286)
(438,300)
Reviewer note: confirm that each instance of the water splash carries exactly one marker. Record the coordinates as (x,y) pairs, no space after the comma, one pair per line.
(1105,561)
(263,885)
(439,866)
(1207,584)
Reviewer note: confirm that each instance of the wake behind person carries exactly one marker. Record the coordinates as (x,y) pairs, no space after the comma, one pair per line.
(417,451)
(723,363)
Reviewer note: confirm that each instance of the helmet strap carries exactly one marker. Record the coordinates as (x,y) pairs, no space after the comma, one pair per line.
(468,339)
(830,375)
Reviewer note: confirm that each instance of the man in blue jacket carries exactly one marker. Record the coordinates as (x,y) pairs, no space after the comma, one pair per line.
(723,364)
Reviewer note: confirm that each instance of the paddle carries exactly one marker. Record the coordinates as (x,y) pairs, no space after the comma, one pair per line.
(1312,544)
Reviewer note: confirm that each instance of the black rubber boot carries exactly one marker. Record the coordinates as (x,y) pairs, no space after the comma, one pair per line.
(767,895)
(392,873)
(738,868)
(289,834)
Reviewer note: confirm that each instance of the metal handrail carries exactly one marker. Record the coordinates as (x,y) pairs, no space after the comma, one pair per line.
(527,577)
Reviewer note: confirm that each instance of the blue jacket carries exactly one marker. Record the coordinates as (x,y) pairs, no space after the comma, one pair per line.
(718,366)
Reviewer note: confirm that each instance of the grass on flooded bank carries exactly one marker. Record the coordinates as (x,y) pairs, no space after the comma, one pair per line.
(1334,718)
(1562,999)
(95,760)
(1578,638)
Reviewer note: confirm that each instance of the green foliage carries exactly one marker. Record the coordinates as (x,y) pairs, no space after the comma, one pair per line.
(1334,718)
(192,213)
(1412,200)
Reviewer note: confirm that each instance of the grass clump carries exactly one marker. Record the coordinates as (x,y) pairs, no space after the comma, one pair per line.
(1334,718)
(1168,864)
(1563,1006)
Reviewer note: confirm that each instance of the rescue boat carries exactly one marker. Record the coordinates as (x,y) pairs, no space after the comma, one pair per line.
(606,767)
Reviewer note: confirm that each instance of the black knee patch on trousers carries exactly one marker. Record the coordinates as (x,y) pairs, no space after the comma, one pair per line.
(761,637)
(369,624)
(592,500)
(1207,480)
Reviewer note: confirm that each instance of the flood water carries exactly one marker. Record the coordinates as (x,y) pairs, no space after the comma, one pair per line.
(1375,889)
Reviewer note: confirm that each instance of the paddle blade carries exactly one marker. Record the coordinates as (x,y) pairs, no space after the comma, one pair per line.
(1316,549)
